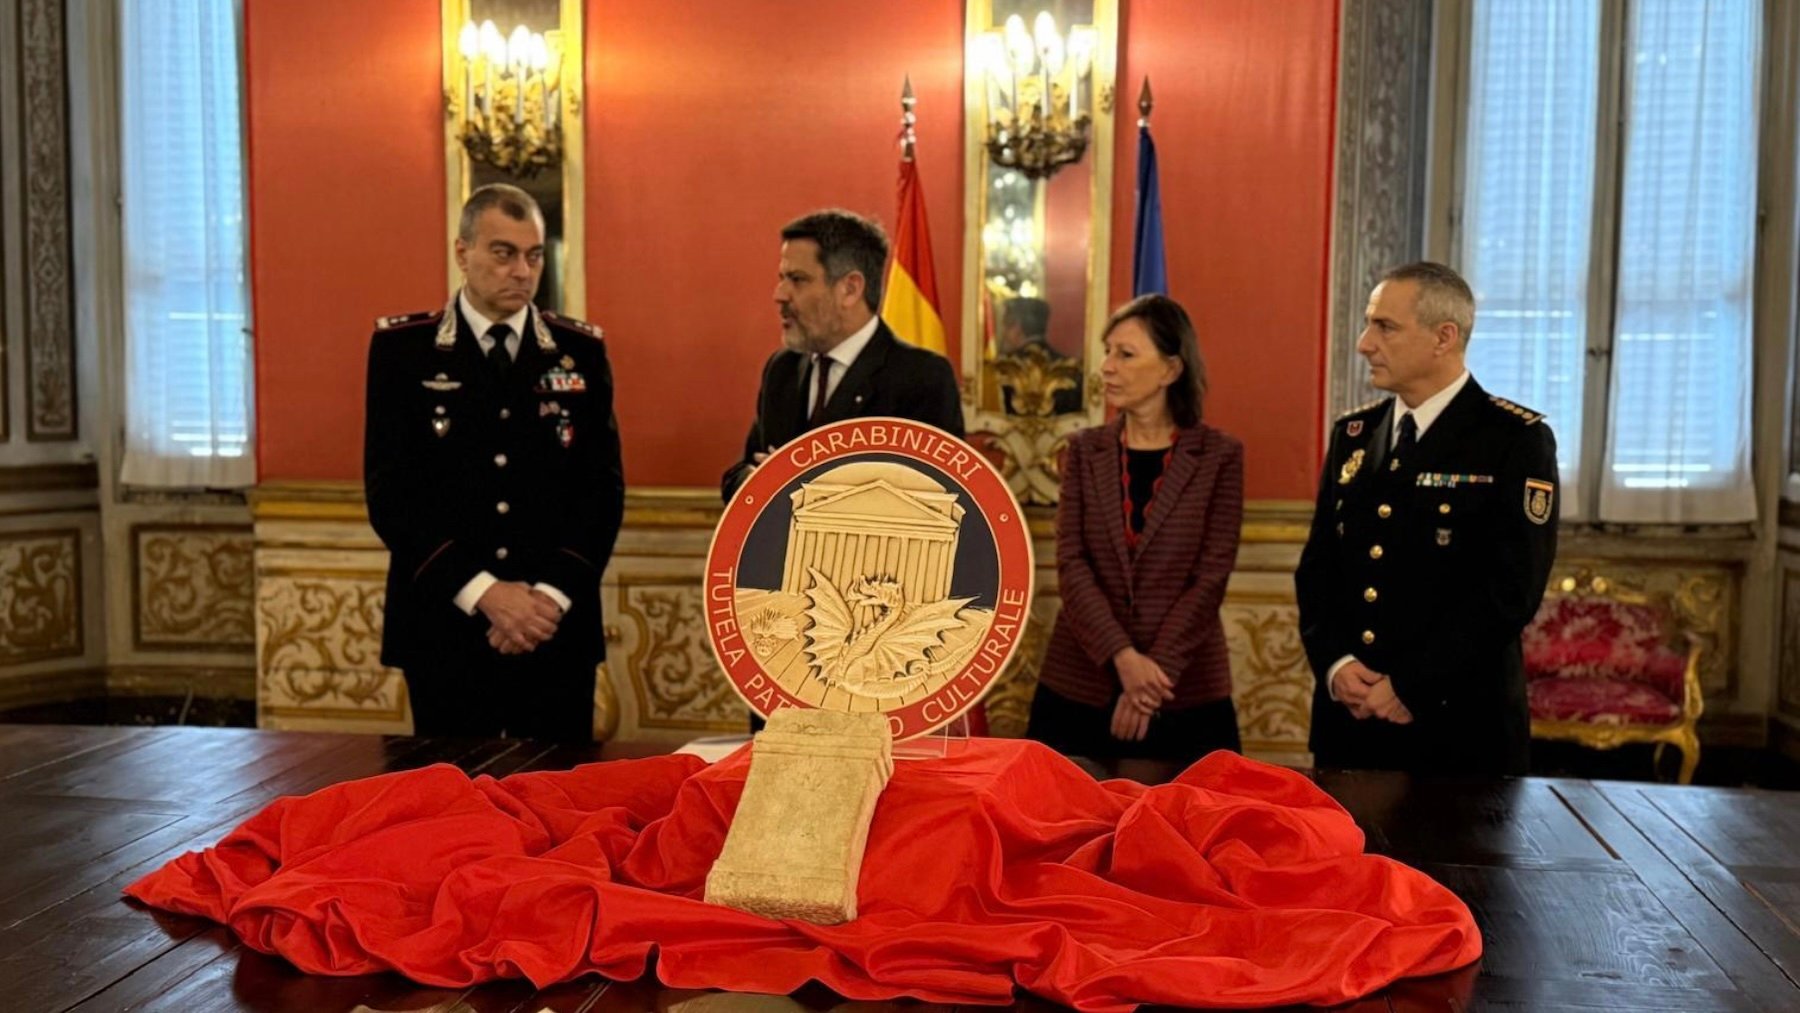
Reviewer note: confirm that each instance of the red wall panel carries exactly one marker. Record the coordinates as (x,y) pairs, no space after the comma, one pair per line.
(1243,122)
(711,123)
(346,204)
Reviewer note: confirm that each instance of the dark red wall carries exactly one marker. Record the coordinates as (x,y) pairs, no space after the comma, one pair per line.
(711,123)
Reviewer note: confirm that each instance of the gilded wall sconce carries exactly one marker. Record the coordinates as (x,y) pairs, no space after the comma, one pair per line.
(510,106)
(1040,84)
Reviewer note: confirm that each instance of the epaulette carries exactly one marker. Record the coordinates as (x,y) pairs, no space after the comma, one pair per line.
(581,326)
(407,319)
(1525,415)
(1359,409)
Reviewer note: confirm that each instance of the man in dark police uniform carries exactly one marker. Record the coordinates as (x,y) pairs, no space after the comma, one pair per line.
(1431,543)
(838,359)
(491,467)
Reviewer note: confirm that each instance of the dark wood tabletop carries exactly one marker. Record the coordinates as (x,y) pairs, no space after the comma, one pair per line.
(1590,895)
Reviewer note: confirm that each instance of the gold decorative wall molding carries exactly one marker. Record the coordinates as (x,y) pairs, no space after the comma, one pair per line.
(48,303)
(40,595)
(320,577)
(1272,684)
(673,676)
(193,587)
(318,649)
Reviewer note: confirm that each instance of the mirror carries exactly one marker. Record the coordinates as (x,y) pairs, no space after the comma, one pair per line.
(1038,95)
(512,88)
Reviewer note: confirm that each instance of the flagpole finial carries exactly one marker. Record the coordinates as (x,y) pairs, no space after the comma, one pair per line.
(1145,101)
(907,119)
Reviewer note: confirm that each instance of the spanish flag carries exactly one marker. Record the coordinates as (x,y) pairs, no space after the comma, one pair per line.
(909,299)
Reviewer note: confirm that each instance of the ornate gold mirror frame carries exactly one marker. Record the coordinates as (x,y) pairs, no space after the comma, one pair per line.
(1038,97)
(527,112)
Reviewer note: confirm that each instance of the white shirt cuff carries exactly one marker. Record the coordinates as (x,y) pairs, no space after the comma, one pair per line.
(561,600)
(1331,675)
(473,590)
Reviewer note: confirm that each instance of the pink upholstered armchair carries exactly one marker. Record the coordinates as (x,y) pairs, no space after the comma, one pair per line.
(1605,666)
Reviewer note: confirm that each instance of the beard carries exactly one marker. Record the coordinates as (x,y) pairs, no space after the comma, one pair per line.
(795,337)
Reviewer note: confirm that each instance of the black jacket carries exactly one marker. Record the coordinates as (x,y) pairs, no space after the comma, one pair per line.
(466,472)
(888,378)
(1428,572)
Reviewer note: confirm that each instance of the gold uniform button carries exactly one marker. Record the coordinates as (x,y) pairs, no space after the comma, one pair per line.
(1369,594)
(499,460)
(500,553)
(1374,552)
(1443,508)
(1384,511)
(501,507)
(1368,636)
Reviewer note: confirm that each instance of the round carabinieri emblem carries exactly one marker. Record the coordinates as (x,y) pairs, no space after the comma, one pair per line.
(873,565)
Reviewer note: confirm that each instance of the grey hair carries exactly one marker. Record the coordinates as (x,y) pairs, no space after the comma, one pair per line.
(1444,297)
(512,202)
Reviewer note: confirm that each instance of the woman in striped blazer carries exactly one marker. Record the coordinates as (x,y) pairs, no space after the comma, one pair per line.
(1146,537)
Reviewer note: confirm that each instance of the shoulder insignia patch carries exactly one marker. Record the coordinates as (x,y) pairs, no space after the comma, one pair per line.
(581,326)
(1359,409)
(407,319)
(1525,415)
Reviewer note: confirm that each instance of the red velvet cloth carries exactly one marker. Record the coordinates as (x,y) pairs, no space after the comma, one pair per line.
(1238,884)
(1598,638)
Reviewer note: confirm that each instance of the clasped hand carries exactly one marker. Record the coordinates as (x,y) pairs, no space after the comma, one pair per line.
(1368,693)
(520,618)
(1146,687)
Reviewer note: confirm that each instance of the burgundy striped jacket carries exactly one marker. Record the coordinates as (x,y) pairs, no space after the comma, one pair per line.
(1162,596)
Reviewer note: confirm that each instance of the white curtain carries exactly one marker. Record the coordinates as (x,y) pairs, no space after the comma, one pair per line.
(1528,208)
(1678,446)
(187,341)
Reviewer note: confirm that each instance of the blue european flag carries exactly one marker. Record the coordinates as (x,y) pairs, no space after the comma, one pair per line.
(1149,268)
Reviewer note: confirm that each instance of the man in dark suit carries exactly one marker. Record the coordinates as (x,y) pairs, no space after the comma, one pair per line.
(492,472)
(1431,543)
(839,361)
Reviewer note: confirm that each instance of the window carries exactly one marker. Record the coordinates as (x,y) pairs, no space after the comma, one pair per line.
(1607,223)
(188,397)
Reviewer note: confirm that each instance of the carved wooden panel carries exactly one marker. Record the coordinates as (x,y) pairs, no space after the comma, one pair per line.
(40,595)
(47,303)
(193,587)
(319,648)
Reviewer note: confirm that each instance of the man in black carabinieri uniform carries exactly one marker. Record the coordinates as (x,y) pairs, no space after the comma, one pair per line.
(1431,543)
(491,467)
(838,360)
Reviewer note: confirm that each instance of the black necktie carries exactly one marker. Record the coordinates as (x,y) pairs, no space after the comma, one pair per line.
(497,357)
(1409,437)
(822,370)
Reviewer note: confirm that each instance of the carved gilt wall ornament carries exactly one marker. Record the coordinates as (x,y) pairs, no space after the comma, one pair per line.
(1009,701)
(1272,684)
(40,595)
(673,676)
(48,299)
(874,565)
(194,588)
(319,650)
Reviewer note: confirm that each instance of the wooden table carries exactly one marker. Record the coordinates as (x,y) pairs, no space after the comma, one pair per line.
(1590,894)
